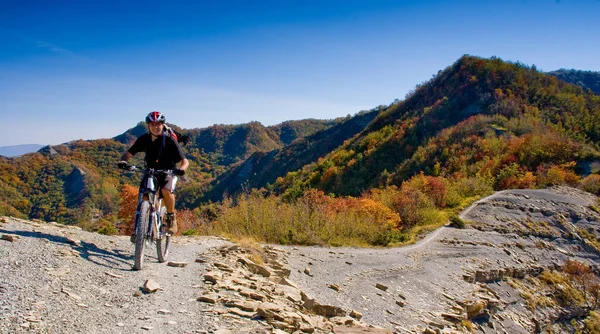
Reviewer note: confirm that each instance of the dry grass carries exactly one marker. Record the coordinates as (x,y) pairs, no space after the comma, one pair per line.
(590,238)
(467,324)
(257,253)
(271,220)
(592,322)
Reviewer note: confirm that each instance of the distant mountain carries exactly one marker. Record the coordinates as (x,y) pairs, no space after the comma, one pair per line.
(17,150)
(585,79)
(129,136)
(77,180)
(263,168)
(291,130)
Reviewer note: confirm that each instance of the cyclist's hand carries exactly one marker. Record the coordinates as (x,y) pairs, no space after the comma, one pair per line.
(123,165)
(179,172)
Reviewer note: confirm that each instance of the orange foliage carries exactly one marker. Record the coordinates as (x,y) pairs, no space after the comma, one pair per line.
(127,208)
(315,200)
(187,220)
(329,175)
(557,175)
(526,181)
(435,187)
(366,208)
(586,281)
(380,213)
(488,167)
(407,205)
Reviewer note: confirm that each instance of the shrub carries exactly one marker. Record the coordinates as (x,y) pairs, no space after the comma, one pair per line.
(127,208)
(188,222)
(591,183)
(412,205)
(557,175)
(477,186)
(108,229)
(456,222)
(312,219)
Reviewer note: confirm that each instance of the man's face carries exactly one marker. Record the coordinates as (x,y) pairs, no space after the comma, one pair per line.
(155,128)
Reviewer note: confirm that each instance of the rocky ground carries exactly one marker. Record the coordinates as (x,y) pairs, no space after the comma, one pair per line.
(59,279)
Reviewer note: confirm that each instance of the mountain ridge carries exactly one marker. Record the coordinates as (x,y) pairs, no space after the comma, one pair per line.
(466,92)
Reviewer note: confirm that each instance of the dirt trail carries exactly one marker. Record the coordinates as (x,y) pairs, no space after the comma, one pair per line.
(62,280)
(427,279)
(57,279)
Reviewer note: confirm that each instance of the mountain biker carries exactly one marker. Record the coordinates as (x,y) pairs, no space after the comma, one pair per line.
(160,157)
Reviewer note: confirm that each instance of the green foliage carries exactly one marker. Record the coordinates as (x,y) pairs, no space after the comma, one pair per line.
(456,222)
(77,181)
(291,130)
(108,229)
(585,79)
(481,119)
(189,232)
(263,169)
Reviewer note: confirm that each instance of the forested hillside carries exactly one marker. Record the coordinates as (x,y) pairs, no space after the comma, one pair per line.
(497,122)
(77,182)
(263,168)
(585,79)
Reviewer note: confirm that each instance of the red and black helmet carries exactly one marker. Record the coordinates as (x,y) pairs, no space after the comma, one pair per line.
(155,116)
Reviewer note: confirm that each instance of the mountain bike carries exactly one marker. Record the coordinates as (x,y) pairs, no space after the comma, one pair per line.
(150,225)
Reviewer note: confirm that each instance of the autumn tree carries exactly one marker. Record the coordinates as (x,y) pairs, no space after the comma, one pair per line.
(585,280)
(127,208)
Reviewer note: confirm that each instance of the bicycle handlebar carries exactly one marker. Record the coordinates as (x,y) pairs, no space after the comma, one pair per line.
(152,171)
(132,168)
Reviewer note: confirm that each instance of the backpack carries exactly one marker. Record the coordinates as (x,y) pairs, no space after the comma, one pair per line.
(178,137)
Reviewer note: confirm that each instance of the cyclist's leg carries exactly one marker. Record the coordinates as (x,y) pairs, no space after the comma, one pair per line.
(168,195)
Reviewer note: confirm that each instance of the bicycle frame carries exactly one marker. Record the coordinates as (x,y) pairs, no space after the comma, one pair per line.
(150,191)
(149,216)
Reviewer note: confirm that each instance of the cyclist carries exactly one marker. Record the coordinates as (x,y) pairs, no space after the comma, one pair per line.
(162,152)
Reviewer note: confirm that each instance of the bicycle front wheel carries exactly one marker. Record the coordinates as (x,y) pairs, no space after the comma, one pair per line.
(140,234)
(163,240)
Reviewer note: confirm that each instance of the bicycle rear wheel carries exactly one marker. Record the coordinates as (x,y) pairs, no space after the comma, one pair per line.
(140,234)
(163,240)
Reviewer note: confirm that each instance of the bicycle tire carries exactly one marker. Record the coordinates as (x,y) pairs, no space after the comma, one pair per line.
(163,240)
(140,235)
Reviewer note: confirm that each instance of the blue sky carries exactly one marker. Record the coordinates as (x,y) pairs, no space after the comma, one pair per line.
(92,69)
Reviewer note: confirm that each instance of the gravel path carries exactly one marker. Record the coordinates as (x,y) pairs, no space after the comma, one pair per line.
(62,280)
(57,279)
(426,279)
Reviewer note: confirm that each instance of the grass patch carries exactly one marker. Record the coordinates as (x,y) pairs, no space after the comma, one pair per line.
(590,237)
(457,222)
(592,322)
(467,324)
(190,232)
(108,229)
